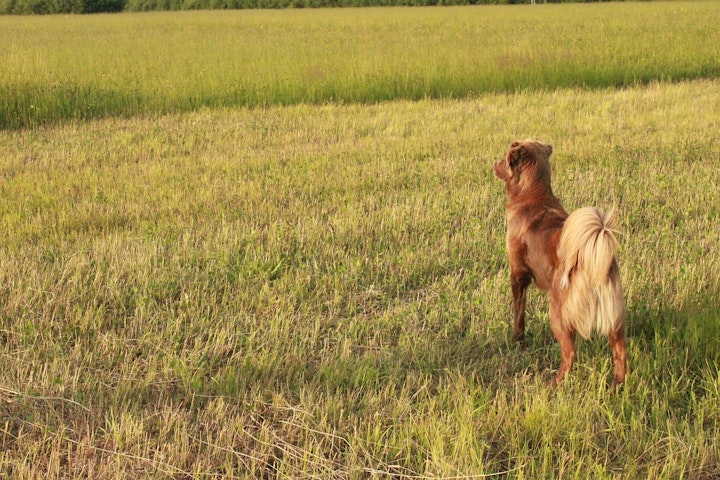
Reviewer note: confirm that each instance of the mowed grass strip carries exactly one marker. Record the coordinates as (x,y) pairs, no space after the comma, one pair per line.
(322,291)
(81,67)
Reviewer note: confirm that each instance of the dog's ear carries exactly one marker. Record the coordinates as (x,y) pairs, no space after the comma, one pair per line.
(517,152)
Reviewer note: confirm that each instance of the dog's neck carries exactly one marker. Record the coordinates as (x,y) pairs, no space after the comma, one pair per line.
(537,192)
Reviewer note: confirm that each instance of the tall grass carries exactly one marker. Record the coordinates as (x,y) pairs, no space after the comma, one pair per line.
(57,68)
(322,292)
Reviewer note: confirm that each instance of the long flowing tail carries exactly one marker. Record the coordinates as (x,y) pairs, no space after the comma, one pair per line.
(592,293)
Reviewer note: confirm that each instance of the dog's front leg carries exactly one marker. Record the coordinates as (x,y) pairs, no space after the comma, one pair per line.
(519,283)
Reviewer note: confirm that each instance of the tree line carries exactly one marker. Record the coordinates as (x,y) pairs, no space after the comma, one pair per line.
(29,7)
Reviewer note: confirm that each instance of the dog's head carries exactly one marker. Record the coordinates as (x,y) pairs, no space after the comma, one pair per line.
(525,167)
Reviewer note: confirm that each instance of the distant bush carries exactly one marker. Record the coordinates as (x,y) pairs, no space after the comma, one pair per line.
(28,7)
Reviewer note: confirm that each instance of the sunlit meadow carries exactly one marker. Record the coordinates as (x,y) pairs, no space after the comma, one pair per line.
(320,290)
(59,67)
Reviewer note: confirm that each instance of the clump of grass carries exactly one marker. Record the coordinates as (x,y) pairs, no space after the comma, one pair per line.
(322,291)
(60,68)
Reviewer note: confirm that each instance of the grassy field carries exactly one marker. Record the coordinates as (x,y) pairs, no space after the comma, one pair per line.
(320,290)
(84,67)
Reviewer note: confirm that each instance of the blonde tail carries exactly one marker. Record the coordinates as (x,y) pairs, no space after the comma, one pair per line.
(592,294)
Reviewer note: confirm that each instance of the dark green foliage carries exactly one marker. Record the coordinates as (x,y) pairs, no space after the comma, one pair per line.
(27,7)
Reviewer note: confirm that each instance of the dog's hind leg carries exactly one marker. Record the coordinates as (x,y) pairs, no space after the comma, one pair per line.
(566,339)
(617,345)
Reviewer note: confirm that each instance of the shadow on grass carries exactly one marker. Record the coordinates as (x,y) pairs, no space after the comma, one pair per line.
(673,347)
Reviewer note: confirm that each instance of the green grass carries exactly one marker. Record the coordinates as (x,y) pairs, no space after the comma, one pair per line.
(322,292)
(296,280)
(82,67)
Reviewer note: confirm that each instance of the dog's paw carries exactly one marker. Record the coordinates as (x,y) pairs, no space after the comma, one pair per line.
(518,336)
(616,387)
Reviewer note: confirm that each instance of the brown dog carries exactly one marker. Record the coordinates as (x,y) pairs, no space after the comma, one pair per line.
(572,257)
